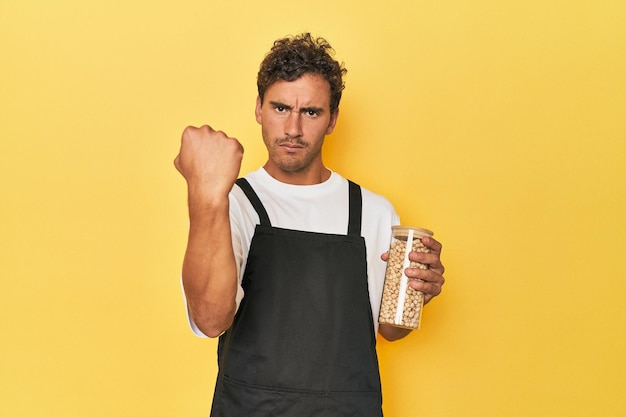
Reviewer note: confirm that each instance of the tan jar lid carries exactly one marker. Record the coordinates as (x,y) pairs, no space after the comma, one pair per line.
(403,231)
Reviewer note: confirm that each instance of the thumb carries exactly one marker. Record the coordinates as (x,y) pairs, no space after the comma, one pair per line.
(177,163)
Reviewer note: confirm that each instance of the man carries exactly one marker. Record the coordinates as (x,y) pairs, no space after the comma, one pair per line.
(287,264)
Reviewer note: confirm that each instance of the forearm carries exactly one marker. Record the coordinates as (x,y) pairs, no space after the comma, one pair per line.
(392,333)
(209,269)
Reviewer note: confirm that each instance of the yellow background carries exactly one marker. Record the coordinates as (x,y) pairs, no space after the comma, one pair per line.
(499,125)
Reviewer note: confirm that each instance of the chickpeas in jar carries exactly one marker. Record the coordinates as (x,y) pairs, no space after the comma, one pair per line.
(401,305)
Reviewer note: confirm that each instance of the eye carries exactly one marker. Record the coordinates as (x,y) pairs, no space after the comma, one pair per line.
(312,113)
(280,109)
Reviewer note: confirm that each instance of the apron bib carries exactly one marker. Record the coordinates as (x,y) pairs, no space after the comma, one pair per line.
(302,342)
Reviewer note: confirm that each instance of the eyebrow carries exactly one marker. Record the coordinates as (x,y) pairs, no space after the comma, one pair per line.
(318,110)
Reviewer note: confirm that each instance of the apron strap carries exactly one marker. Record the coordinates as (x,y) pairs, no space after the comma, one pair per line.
(354,222)
(254,199)
(355,200)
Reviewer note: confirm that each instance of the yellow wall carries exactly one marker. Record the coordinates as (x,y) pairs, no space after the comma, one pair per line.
(499,125)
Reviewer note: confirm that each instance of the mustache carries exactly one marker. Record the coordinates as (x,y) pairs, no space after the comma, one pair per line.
(291,139)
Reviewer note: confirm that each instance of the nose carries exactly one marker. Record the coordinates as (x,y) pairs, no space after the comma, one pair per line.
(293,124)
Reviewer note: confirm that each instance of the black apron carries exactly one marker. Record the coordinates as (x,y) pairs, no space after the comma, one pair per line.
(302,342)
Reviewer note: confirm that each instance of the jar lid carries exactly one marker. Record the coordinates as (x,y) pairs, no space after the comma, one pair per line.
(404,231)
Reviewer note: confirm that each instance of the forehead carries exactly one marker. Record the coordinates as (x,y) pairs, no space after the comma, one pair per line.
(310,89)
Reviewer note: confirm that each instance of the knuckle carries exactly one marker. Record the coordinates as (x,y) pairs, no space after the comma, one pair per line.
(189,130)
(189,134)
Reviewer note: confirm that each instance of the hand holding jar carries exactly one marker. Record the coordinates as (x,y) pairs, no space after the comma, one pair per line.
(402,304)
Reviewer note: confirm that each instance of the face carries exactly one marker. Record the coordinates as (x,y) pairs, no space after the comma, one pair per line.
(295,117)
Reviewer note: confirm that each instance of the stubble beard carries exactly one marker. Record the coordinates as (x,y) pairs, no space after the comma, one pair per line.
(291,163)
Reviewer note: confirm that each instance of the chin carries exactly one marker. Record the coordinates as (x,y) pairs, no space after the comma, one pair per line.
(287,164)
(291,168)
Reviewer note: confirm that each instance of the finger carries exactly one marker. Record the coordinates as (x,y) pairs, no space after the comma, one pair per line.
(210,129)
(426,275)
(430,282)
(431,259)
(429,289)
(177,163)
(432,244)
(189,131)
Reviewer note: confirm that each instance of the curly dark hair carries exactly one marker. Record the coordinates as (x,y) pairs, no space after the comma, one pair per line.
(293,56)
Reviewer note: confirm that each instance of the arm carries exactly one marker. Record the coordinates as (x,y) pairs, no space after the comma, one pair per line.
(392,333)
(210,162)
(429,281)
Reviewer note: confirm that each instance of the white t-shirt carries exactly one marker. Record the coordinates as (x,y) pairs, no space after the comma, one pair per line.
(321,208)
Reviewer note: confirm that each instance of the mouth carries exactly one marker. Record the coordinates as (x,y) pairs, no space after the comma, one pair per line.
(291,145)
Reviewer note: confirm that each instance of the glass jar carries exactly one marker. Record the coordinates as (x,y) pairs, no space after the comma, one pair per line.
(401,305)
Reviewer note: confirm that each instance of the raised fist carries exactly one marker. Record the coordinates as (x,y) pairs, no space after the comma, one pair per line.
(209,160)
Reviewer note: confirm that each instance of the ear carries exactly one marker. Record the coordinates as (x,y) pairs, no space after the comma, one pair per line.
(257,111)
(332,122)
